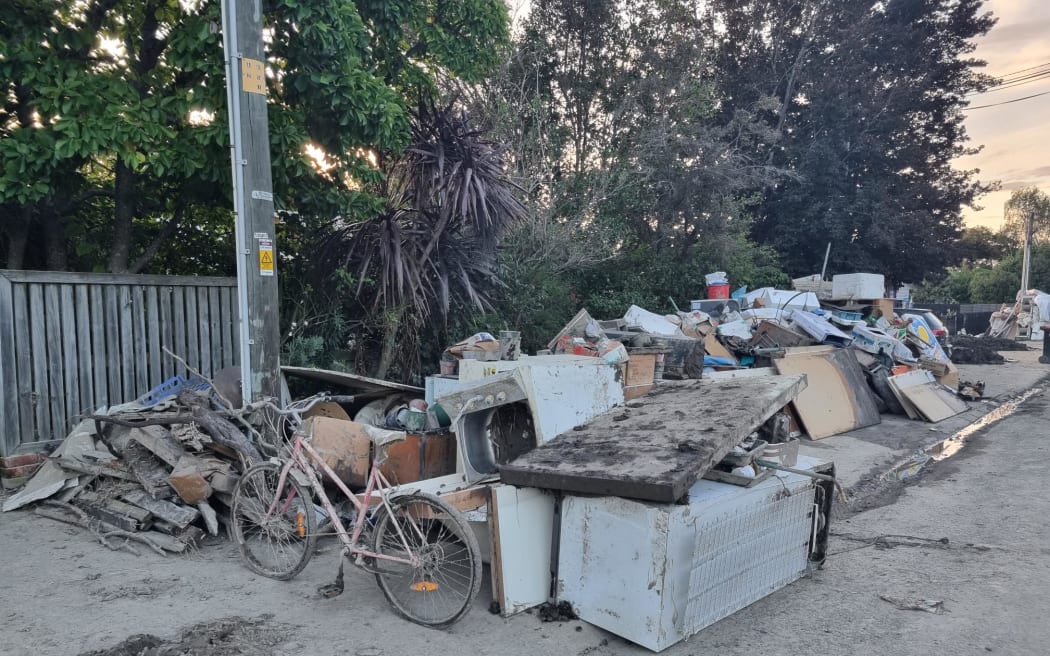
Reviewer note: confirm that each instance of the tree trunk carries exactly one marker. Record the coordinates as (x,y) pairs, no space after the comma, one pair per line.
(18,237)
(55,239)
(386,356)
(123,214)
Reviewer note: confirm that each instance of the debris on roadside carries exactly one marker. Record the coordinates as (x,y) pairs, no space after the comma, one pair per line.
(935,606)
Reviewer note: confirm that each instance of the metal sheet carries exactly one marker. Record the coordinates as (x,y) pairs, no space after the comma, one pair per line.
(353,381)
(660,444)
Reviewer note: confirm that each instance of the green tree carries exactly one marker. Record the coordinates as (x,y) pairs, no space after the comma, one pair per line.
(868,116)
(980,245)
(1027,207)
(123,101)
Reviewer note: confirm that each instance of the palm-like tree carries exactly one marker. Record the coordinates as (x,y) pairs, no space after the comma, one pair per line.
(433,248)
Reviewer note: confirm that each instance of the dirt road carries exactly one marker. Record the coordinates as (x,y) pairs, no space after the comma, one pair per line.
(971,533)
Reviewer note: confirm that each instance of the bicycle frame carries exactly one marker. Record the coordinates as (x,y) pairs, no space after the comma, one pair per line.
(306,459)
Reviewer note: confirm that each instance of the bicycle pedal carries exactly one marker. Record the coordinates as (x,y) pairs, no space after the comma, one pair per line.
(335,588)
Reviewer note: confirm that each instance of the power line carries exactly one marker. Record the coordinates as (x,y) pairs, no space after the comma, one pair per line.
(1024,69)
(1019,82)
(1024,76)
(1007,102)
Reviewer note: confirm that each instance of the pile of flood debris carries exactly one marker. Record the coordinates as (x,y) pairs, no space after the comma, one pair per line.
(862,355)
(158,472)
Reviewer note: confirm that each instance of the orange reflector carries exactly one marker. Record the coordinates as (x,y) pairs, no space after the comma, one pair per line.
(424,586)
(300,526)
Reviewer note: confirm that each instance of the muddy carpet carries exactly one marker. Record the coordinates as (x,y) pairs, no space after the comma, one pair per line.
(231,636)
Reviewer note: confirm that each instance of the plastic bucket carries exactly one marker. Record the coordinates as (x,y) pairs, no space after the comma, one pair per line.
(718,290)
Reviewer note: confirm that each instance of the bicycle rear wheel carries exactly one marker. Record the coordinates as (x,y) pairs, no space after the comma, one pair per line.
(279,546)
(439,591)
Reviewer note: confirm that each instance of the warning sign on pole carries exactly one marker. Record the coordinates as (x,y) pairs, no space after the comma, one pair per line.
(265,257)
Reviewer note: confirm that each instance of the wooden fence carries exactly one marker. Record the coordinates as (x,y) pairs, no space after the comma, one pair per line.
(72,342)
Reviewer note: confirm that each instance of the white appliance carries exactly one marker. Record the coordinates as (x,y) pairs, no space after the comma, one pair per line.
(656,574)
(505,408)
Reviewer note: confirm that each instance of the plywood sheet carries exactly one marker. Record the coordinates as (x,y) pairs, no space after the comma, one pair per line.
(656,447)
(922,396)
(836,399)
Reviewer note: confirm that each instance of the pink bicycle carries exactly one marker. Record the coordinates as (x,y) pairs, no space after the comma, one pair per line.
(423,552)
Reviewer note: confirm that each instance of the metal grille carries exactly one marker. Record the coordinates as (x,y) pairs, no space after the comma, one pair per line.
(744,555)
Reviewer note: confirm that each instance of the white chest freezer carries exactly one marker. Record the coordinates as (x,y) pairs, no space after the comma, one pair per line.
(656,574)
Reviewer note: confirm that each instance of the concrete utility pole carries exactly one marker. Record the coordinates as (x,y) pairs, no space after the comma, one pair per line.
(1027,262)
(252,198)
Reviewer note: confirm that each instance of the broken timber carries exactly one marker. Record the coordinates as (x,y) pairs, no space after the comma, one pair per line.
(655,448)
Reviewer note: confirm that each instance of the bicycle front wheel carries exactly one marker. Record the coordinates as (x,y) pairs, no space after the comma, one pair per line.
(440,588)
(279,544)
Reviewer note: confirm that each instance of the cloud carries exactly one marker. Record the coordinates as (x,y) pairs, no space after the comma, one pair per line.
(1040,172)
(1016,33)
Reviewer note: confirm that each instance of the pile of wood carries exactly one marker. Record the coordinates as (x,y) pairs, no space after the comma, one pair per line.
(162,476)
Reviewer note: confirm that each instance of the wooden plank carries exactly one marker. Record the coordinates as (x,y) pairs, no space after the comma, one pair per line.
(193,345)
(70,368)
(215,328)
(111,321)
(935,403)
(41,388)
(178,318)
(159,441)
(153,352)
(85,360)
(659,445)
(118,513)
(23,363)
(837,399)
(143,382)
(76,278)
(226,327)
(9,436)
(899,382)
(923,398)
(173,513)
(167,332)
(204,326)
(56,379)
(235,328)
(127,346)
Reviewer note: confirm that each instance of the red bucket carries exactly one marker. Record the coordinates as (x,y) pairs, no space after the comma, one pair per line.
(718,290)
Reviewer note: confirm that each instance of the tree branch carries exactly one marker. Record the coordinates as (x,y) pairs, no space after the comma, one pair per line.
(166,233)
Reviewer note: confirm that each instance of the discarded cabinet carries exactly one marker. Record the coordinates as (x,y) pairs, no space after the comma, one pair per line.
(656,574)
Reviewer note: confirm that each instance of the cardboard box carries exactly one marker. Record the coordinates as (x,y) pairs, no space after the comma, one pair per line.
(641,369)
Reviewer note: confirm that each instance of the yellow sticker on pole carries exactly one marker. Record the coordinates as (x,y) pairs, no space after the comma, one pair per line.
(265,257)
(253,76)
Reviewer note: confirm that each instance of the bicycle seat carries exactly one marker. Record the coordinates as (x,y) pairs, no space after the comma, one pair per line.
(382,437)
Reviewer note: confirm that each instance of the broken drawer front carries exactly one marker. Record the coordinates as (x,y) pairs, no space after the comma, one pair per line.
(656,574)
(420,457)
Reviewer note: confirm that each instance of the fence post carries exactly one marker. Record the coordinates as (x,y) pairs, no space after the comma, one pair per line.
(9,424)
